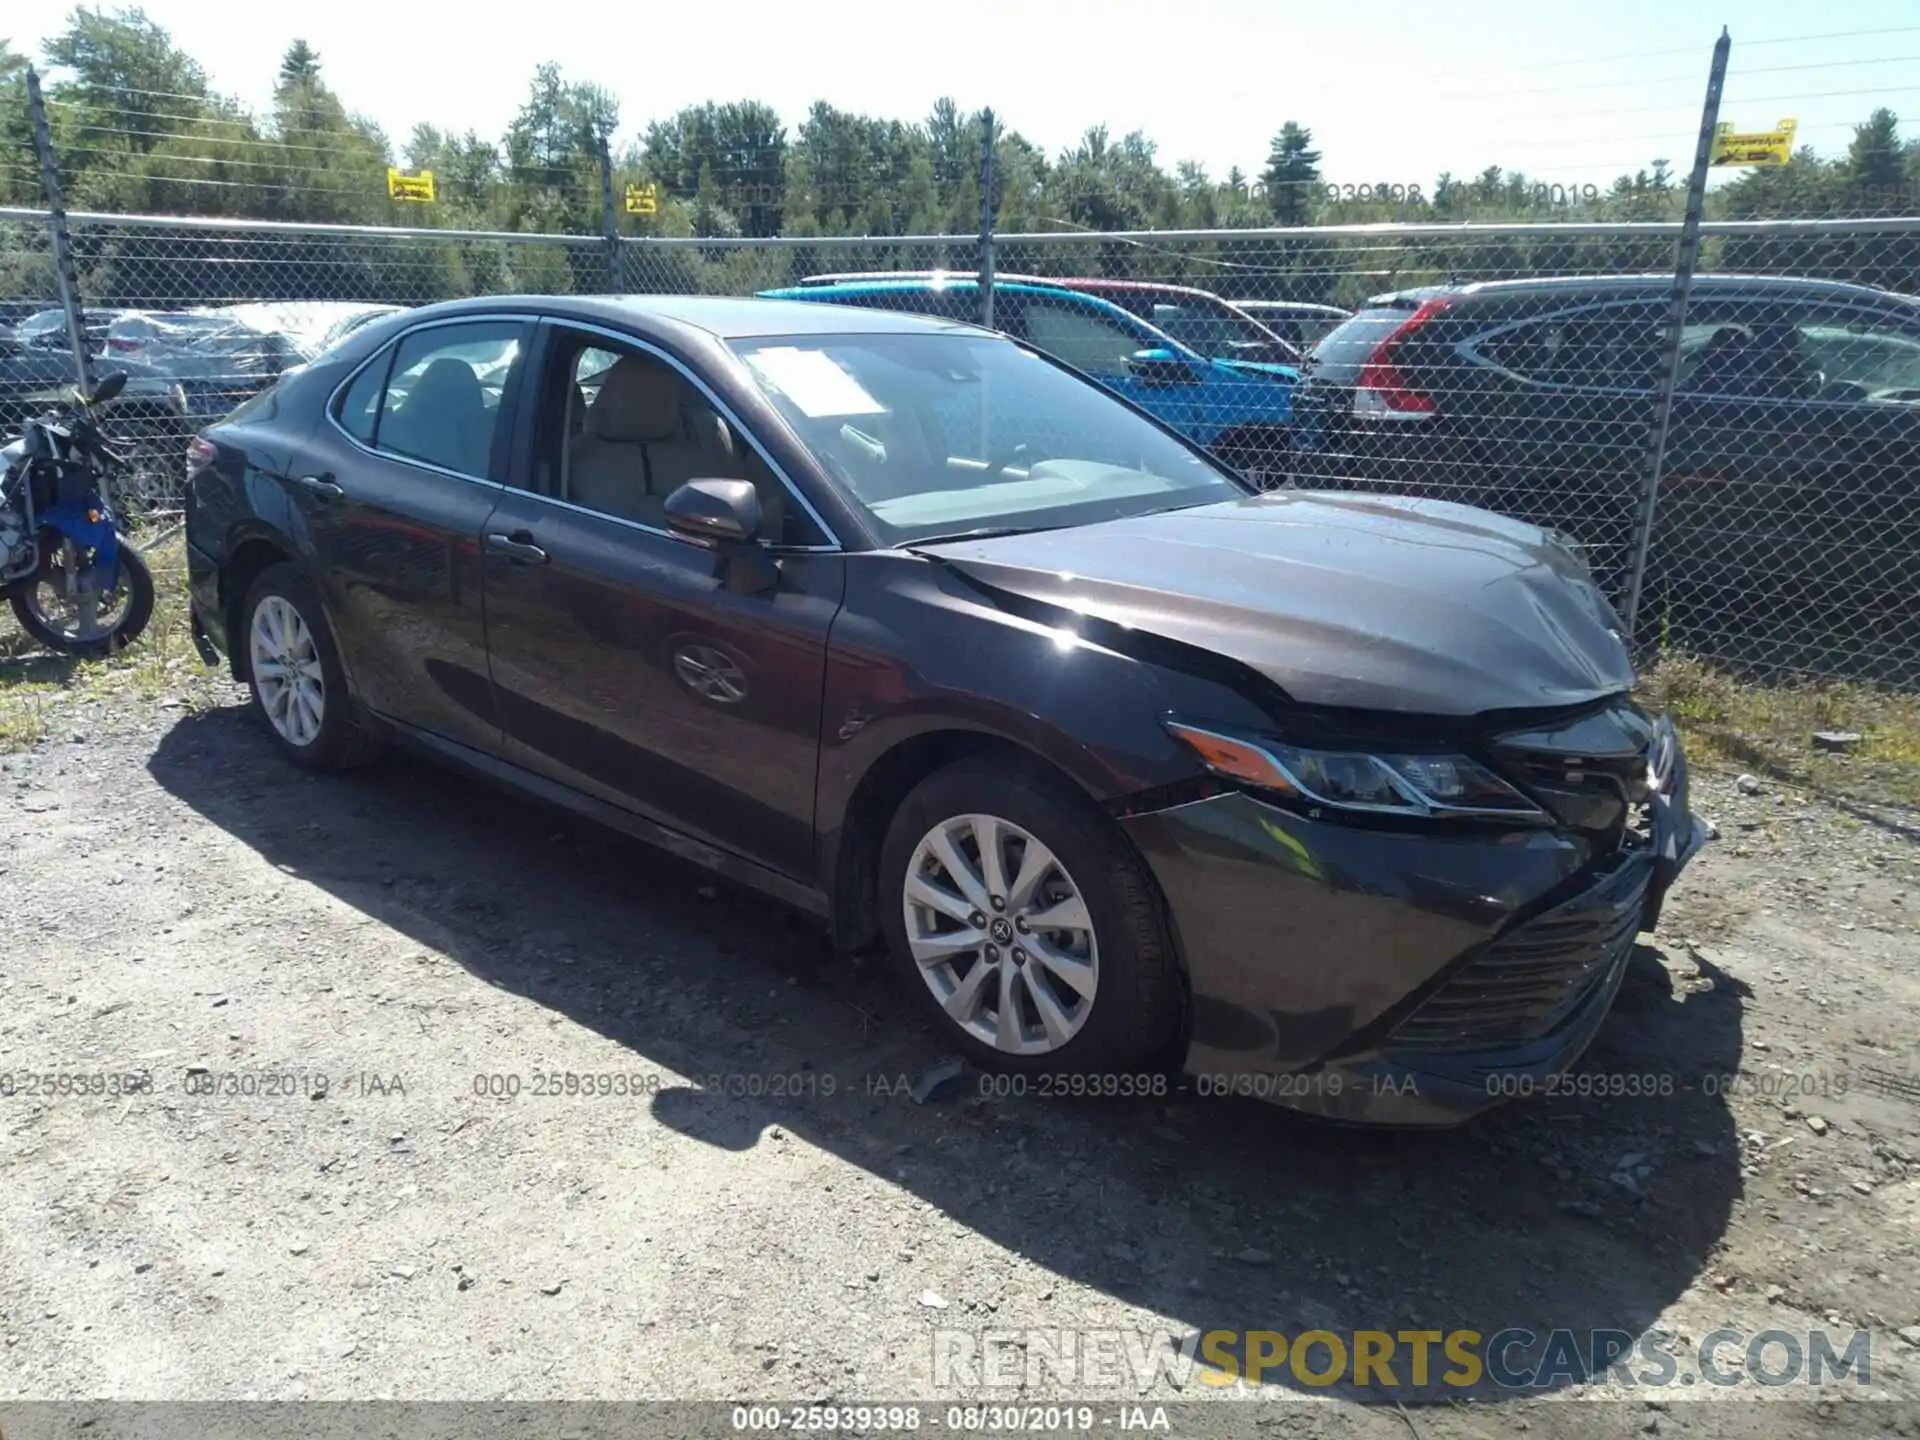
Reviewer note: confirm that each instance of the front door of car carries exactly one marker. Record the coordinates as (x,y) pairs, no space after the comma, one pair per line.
(623,664)
(392,497)
(1788,488)
(1100,345)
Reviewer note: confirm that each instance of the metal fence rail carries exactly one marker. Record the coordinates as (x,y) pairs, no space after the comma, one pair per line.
(1787,538)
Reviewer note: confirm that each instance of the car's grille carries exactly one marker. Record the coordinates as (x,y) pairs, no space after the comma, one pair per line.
(1525,983)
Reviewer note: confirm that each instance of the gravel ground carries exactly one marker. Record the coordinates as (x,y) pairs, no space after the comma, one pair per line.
(179,901)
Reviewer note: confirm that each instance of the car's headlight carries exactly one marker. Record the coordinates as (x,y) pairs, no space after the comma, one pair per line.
(1446,786)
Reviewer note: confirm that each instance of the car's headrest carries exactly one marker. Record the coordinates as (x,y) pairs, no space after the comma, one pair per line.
(638,403)
(447,383)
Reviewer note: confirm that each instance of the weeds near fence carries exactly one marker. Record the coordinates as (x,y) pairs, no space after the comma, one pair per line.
(1769,729)
(54,697)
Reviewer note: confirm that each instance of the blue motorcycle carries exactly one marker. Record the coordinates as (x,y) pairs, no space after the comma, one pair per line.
(75,586)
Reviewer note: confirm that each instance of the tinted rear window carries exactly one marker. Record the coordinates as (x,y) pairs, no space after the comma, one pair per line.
(1350,345)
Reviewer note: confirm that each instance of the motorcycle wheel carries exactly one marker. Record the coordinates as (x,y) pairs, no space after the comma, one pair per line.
(116,621)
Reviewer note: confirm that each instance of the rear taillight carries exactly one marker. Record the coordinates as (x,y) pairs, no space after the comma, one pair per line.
(1384,390)
(200,454)
(122,345)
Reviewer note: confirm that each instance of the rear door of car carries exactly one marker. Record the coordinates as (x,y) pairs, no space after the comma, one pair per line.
(1789,485)
(626,667)
(392,498)
(1544,404)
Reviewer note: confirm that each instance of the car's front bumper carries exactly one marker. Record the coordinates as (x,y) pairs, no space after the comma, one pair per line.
(1398,977)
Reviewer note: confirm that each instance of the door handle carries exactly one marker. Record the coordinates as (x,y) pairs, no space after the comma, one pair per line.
(517,547)
(321,487)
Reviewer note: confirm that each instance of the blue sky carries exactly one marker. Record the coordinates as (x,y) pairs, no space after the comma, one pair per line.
(1394,91)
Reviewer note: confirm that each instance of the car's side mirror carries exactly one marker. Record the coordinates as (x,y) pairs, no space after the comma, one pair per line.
(715,512)
(109,386)
(724,516)
(1158,367)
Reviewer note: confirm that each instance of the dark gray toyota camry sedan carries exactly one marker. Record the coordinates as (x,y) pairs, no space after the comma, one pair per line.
(1338,800)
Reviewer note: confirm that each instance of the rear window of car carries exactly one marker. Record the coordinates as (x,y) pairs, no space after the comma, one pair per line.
(1350,345)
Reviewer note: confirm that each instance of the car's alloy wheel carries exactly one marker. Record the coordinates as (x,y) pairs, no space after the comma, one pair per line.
(1001,934)
(286,648)
(285,663)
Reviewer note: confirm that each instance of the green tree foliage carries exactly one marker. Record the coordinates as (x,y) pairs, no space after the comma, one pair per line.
(131,84)
(1291,180)
(300,65)
(19,183)
(137,129)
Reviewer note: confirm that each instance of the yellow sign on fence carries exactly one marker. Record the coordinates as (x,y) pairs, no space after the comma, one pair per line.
(642,199)
(1762,147)
(409,187)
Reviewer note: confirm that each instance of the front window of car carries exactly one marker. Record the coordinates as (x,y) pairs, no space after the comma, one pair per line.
(1085,340)
(1211,332)
(1862,356)
(940,435)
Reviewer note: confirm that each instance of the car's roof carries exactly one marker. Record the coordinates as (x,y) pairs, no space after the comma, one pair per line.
(942,283)
(1297,307)
(1656,283)
(723,316)
(1096,283)
(1008,278)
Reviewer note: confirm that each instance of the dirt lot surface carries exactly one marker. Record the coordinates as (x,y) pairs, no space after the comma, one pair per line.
(180,902)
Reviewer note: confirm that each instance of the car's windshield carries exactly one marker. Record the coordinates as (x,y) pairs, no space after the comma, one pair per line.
(937,435)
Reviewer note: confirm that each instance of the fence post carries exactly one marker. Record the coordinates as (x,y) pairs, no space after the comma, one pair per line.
(62,244)
(986,218)
(610,221)
(1684,261)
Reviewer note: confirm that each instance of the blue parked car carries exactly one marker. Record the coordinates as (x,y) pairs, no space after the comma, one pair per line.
(1237,409)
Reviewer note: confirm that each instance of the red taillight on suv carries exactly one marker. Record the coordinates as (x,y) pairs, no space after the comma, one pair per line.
(1384,391)
(200,454)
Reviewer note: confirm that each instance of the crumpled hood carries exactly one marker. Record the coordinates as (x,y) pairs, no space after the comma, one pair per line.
(1375,602)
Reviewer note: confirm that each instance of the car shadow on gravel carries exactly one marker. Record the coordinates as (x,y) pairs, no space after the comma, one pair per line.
(1588,1211)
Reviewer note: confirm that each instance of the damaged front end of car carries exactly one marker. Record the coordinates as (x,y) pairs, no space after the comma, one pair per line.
(1429,819)
(1392,933)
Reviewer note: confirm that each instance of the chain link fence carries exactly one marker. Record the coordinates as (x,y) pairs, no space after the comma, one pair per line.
(1509,365)
(1516,367)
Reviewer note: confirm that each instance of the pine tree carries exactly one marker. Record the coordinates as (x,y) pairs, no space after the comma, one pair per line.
(300,65)
(1292,175)
(1874,159)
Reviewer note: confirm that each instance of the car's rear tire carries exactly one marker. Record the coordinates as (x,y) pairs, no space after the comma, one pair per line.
(1097,991)
(293,669)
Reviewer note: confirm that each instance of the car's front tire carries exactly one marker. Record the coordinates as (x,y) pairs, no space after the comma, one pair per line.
(293,669)
(1026,923)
